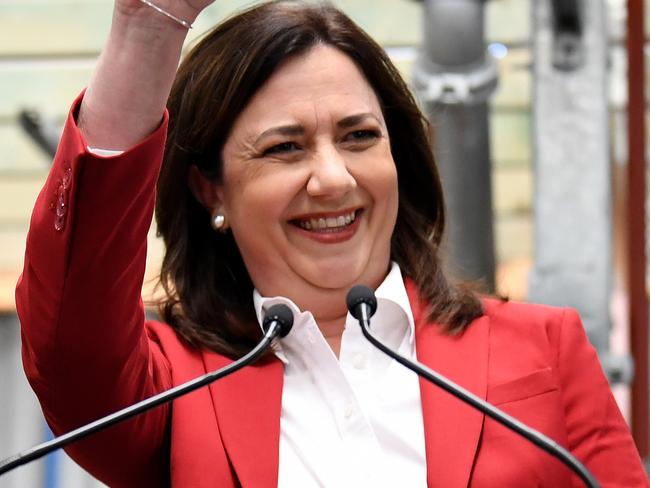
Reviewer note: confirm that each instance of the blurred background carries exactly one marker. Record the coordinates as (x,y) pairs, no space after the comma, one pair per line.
(528,101)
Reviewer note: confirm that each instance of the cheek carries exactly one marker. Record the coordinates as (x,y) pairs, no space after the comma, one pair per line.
(381,182)
(387,196)
(257,209)
(253,214)
(391,179)
(392,204)
(259,198)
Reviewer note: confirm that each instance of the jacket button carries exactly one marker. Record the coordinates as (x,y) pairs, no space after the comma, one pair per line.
(61,208)
(67,177)
(59,223)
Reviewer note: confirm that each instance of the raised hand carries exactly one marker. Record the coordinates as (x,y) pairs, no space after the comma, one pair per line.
(129,89)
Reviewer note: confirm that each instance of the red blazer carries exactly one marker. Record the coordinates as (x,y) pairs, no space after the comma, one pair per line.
(88,351)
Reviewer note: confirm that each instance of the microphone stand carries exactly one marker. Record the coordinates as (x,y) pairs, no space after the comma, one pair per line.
(274,325)
(534,436)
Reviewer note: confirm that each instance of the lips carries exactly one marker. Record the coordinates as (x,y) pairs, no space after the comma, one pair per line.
(327,223)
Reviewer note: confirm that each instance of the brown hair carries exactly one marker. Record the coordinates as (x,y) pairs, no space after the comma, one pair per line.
(208,290)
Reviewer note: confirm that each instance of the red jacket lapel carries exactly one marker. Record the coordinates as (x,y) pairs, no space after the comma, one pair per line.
(452,429)
(248,405)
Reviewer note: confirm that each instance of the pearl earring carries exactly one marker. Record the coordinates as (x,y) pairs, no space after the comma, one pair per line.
(218,222)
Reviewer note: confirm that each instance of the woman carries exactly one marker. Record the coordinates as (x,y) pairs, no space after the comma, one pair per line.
(296,166)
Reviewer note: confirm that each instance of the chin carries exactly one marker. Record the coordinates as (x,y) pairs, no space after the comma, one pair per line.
(336,274)
(335,282)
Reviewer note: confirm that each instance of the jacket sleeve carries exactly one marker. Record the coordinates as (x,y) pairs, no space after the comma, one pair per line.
(597,433)
(85,348)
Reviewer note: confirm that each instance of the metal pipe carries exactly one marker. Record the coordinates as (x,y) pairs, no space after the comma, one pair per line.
(572,174)
(453,78)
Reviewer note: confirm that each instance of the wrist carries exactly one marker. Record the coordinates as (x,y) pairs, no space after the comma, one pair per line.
(143,30)
(148,16)
(180,21)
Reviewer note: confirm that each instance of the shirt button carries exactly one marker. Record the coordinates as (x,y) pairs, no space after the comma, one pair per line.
(349,411)
(359,360)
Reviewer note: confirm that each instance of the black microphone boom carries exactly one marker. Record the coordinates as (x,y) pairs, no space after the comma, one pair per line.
(278,321)
(363,304)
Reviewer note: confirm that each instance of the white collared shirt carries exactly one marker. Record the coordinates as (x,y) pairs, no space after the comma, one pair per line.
(354,421)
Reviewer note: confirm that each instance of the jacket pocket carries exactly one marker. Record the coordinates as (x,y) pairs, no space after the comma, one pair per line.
(530,385)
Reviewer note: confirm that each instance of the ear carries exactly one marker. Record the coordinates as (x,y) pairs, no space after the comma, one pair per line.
(207,192)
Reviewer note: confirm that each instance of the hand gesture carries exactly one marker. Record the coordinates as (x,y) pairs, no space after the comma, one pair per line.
(118,111)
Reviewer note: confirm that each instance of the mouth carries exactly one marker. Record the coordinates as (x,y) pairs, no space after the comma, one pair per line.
(328,223)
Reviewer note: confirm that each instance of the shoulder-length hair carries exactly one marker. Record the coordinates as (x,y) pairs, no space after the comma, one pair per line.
(208,292)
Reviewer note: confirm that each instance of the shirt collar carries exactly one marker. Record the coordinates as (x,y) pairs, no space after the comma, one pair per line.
(391,291)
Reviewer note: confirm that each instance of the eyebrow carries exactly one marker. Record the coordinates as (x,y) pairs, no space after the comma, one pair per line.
(283,130)
(298,130)
(352,120)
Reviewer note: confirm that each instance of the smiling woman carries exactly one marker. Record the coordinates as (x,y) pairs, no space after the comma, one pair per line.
(310,122)
(292,163)
(293,174)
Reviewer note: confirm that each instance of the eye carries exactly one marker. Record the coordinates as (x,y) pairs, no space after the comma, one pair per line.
(362,135)
(283,147)
(359,140)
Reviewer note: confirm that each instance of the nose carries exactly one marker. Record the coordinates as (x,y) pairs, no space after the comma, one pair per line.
(330,176)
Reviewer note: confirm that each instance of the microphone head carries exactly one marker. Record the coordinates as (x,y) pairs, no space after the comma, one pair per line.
(357,295)
(281,314)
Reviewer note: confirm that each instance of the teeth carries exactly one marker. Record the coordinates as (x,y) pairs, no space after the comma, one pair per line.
(328,223)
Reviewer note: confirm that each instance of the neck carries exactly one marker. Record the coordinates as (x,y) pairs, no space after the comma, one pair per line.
(327,305)
(332,330)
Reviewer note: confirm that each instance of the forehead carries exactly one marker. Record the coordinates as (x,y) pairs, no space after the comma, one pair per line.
(323,82)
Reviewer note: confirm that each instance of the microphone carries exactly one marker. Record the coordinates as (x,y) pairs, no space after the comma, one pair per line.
(362,304)
(277,322)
